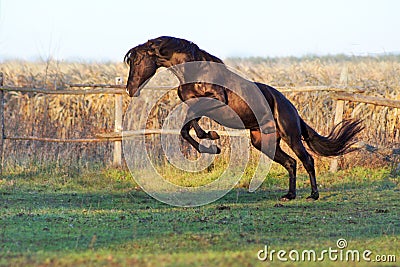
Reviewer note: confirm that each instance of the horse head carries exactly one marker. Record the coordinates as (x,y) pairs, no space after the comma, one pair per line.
(142,66)
(145,59)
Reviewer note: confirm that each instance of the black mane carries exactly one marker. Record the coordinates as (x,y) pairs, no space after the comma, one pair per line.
(168,44)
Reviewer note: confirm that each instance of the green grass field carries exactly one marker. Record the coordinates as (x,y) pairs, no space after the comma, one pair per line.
(101,218)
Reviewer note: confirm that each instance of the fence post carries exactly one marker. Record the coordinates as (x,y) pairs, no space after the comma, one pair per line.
(1,124)
(344,77)
(117,159)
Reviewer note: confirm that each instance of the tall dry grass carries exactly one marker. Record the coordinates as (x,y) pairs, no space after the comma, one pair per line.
(378,76)
(58,116)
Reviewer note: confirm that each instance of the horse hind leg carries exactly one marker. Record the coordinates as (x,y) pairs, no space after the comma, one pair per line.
(308,163)
(290,165)
(263,143)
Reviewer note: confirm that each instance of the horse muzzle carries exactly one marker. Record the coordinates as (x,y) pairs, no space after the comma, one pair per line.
(132,92)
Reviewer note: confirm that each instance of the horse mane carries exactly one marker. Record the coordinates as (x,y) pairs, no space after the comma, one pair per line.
(168,44)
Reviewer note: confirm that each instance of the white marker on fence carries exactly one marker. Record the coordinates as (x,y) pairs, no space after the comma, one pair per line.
(117,159)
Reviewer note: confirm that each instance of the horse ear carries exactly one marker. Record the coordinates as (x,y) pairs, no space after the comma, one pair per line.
(152,50)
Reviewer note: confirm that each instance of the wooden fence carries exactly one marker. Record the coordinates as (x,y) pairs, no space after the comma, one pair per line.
(116,89)
(338,93)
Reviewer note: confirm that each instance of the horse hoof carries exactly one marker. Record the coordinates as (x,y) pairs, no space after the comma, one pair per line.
(313,196)
(213,135)
(213,149)
(288,197)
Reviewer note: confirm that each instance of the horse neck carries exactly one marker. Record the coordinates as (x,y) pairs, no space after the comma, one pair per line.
(177,59)
(188,56)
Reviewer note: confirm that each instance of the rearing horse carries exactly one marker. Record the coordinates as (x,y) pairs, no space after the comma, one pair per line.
(166,51)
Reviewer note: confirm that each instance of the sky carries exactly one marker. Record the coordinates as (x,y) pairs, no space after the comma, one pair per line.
(87,30)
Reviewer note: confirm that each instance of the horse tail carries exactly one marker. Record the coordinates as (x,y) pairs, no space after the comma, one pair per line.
(338,142)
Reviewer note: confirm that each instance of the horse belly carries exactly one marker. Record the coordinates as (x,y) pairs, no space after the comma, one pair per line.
(237,116)
(243,111)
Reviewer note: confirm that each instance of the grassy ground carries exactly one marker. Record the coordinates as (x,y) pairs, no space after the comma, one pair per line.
(102,218)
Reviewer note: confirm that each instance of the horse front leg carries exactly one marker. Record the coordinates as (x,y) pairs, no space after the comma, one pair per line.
(212,149)
(201,134)
(206,99)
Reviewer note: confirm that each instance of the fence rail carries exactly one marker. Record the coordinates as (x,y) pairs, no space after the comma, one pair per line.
(65,140)
(377,101)
(109,90)
(339,93)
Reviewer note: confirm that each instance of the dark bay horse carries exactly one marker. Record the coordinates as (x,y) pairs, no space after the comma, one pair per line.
(166,51)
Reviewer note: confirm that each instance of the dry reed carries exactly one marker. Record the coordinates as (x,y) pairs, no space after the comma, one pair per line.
(28,114)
